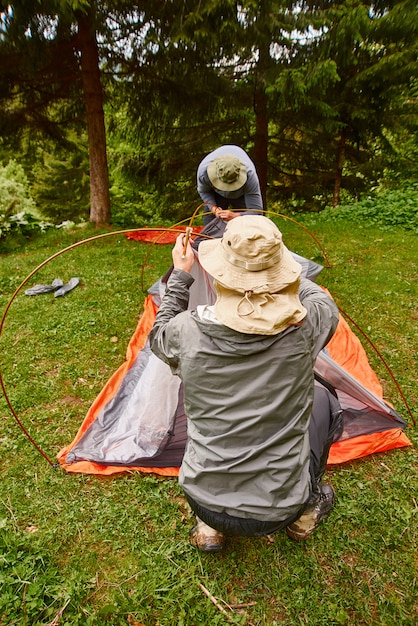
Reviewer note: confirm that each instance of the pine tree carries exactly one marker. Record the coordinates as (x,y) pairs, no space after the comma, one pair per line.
(49,64)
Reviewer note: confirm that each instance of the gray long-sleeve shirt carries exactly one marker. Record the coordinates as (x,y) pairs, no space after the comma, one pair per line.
(248,196)
(248,400)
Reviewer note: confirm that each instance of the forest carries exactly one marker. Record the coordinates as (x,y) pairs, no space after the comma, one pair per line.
(107,108)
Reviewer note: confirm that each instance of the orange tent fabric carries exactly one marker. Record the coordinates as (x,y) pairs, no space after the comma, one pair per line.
(156,235)
(357,447)
(344,348)
(136,344)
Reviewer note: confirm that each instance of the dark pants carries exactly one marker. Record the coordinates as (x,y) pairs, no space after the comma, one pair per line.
(325,422)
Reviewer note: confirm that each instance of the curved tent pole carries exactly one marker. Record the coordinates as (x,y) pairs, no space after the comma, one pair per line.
(194,215)
(285,217)
(33,442)
(171,229)
(165,230)
(14,295)
(290,219)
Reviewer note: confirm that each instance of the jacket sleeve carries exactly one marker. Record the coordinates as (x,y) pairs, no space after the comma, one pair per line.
(163,337)
(322,314)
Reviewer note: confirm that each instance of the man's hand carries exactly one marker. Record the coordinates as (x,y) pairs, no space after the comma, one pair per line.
(225,214)
(182,253)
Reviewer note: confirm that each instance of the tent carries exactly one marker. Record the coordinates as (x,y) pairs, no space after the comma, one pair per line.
(137,422)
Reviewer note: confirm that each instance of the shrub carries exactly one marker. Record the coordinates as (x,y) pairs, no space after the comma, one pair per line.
(386,208)
(17,208)
(61,185)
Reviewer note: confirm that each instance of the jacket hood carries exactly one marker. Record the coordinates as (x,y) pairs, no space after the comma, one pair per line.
(231,341)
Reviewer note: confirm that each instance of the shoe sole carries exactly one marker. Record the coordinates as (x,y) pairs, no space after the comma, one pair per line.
(207,547)
(210,548)
(204,544)
(300,536)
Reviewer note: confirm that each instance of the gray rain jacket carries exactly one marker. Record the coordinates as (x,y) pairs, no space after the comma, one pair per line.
(248,400)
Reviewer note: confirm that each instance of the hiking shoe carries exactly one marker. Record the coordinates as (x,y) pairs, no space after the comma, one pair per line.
(317,509)
(206,539)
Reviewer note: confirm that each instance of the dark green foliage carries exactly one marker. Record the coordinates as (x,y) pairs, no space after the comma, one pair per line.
(397,208)
(340,96)
(61,183)
(17,228)
(323,99)
(18,216)
(309,110)
(38,82)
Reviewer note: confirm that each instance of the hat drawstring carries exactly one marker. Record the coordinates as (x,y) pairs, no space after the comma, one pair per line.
(245,302)
(242,304)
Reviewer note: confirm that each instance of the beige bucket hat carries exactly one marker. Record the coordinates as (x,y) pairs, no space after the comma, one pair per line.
(227,173)
(255,276)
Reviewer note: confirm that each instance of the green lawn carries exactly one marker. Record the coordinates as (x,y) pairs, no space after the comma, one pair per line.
(78,549)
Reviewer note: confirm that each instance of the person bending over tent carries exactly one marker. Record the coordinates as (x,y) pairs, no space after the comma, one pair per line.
(227,177)
(257,443)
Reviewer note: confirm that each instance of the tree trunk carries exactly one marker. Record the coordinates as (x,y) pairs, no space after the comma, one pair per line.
(339,172)
(261,122)
(261,140)
(93,99)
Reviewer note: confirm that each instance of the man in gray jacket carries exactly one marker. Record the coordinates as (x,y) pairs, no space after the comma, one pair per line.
(258,436)
(227,178)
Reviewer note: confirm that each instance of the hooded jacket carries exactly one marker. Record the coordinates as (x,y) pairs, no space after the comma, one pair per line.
(248,400)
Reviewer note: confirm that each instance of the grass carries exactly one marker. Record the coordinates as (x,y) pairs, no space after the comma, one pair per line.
(78,549)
